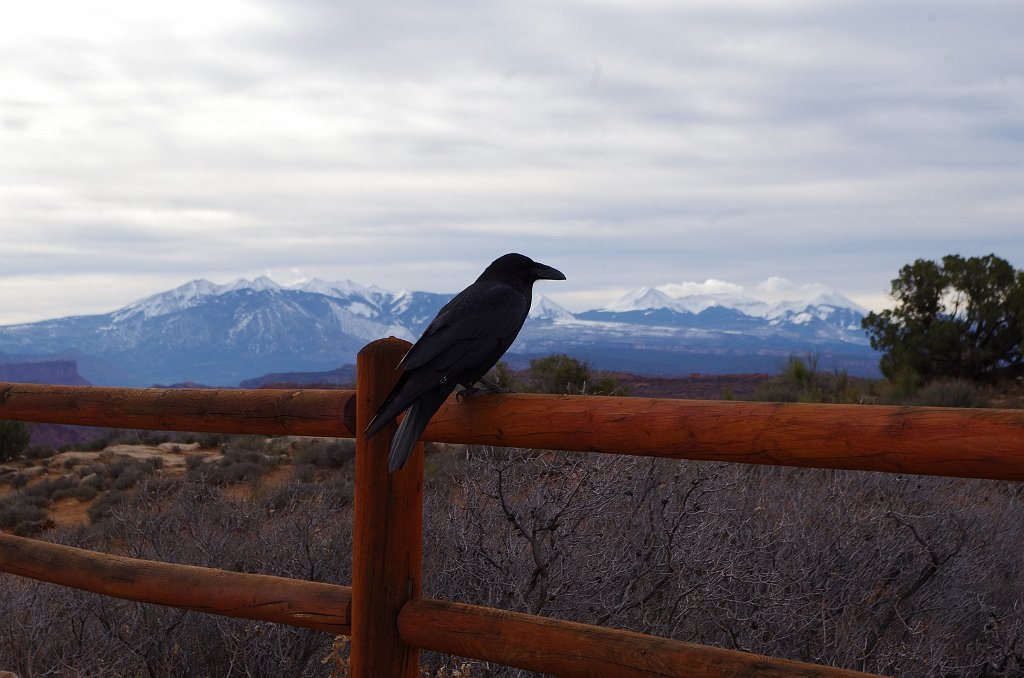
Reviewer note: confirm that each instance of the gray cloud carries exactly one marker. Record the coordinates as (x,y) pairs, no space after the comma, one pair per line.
(405,144)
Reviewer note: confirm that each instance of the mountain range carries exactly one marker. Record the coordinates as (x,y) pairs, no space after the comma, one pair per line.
(220,335)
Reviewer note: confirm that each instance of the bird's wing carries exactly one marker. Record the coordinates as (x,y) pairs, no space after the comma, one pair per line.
(469,329)
(469,334)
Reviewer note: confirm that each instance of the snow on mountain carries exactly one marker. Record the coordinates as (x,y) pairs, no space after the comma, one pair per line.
(402,301)
(662,297)
(645,299)
(365,301)
(178,299)
(343,288)
(829,299)
(258,284)
(667,297)
(415,310)
(696,297)
(221,334)
(333,289)
(545,309)
(696,303)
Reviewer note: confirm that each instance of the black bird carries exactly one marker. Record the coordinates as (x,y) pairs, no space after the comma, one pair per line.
(459,346)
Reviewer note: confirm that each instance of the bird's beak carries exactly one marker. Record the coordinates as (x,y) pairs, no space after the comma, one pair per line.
(544,272)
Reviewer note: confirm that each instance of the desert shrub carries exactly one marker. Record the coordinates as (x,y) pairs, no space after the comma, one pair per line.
(19,480)
(27,506)
(31,528)
(801,381)
(442,463)
(141,437)
(48,488)
(951,393)
(154,437)
(106,437)
(303,473)
(118,473)
(245,444)
(103,439)
(18,510)
(95,468)
(39,452)
(338,489)
(207,441)
(70,490)
(107,502)
(14,438)
(306,453)
(125,472)
(194,466)
(245,459)
(239,471)
(900,575)
(561,373)
(302,533)
(777,392)
(895,574)
(198,469)
(84,492)
(903,385)
(24,512)
(339,453)
(332,454)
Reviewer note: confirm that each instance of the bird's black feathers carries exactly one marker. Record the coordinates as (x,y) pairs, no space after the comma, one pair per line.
(468,336)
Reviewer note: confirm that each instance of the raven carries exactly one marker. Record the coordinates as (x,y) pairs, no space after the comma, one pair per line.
(460,346)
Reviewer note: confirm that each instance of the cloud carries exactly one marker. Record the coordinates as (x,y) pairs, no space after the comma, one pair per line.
(777,287)
(406,145)
(709,286)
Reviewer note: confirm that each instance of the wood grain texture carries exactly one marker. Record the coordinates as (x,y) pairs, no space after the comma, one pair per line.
(387,538)
(312,412)
(575,650)
(311,605)
(973,443)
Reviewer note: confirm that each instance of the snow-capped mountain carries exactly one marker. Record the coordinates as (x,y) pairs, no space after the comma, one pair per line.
(656,330)
(545,309)
(655,298)
(221,334)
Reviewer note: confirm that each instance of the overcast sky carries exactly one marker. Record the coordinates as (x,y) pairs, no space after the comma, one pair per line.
(407,144)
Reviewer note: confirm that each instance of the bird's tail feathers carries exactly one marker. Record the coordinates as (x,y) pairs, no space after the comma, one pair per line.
(387,411)
(413,425)
(376,424)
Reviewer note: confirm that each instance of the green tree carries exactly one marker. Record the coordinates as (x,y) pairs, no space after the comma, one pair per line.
(961,318)
(560,373)
(14,438)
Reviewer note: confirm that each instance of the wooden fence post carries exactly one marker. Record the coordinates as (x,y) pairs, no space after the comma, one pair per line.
(387,538)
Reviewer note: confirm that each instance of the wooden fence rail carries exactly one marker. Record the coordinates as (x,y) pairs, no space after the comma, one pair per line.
(383,611)
(311,605)
(980,443)
(575,650)
(521,640)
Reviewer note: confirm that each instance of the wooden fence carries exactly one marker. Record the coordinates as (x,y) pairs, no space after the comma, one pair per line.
(383,611)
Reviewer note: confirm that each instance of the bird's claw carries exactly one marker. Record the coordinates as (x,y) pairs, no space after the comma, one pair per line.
(466,392)
(489,386)
(494,387)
